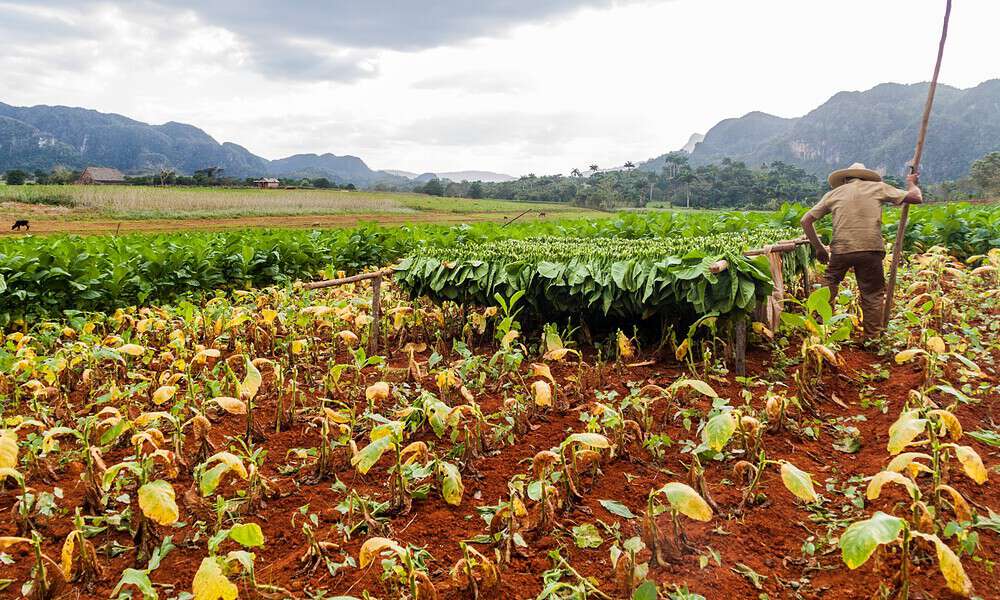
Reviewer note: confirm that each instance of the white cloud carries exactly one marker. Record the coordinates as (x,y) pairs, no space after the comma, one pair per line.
(508,86)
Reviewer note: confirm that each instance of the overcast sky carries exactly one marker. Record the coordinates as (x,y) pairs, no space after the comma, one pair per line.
(515,86)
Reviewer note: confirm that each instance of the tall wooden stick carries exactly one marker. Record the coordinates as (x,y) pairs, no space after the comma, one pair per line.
(897,249)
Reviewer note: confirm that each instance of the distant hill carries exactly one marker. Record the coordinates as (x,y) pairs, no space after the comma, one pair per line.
(877,127)
(43,137)
(487,176)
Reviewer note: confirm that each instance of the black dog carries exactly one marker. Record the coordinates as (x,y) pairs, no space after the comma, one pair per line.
(19,224)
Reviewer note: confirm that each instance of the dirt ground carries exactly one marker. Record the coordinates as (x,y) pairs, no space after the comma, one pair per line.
(768,539)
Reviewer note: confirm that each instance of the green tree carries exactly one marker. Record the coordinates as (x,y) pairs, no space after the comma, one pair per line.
(434,187)
(985,173)
(476,190)
(16,177)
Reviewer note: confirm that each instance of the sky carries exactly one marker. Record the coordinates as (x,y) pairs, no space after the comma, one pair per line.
(514,86)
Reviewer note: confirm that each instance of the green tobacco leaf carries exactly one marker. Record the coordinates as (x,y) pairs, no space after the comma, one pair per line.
(860,540)
(366,458)
(587,536)
(248,535)
(646,591)
(985,436)
(719,430)
(617,508)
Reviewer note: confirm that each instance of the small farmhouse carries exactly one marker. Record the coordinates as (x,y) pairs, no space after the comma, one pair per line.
(101,175)
(267,183)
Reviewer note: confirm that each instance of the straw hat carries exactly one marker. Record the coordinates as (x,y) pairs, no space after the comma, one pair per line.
(838,177)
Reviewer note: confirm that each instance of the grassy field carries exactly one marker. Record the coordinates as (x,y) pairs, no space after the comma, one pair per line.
(135,202)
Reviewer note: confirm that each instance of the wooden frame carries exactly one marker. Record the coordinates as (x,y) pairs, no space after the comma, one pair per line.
(375,329)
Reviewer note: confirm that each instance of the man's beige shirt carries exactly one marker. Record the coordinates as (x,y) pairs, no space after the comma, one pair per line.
(856,210)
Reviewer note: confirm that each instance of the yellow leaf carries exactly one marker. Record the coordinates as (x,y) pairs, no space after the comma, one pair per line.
(67,554)
(231,405)
(377,391)
(132,349)
(375,546)
(936,345)
(950,422)
(685,500)
(625,348)
(8,449)
(908,461)
(557,354)
(8,541)
(883,477)
(951,566)
(251,383)
(798,482)
(683,349)
(906,428)
(541,370)
(348,337)
(907,355)
(210,582)
(509,338)
(298,346)
(962,511)
(158,502)
(268,315)
(164,393)
(542,392)
(972,464)
(235,463)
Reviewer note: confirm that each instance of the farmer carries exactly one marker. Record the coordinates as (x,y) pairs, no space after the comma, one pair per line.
(855,203)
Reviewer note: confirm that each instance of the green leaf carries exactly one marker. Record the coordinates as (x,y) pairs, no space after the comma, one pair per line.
(140,580)
(860,540)
(720,429)
(985,436)
(646,591)
(248,535)
(587,536)
(617,508)
(366,458)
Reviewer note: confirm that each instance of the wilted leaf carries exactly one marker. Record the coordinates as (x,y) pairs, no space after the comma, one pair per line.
(798,482)
(883,477)
(685,500)
(210,582)
(542,392)
(164,393)
(375,546)
(251,382)
(8,449)
(594,440)
(951,566)
(972,464)
(231,405)
(452,487)
(158,502)
(906,428)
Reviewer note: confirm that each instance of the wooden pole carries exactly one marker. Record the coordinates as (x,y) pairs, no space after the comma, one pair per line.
(313,285)
(375,331)
(897,249)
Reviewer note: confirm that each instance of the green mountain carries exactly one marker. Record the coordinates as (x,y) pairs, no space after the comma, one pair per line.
(43,137)
(877,127)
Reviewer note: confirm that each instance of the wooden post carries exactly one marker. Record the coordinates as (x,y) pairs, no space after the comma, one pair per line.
(375,330)
(740,345)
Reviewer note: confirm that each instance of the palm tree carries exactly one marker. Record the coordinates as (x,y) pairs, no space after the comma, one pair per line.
(594,168)
(629,165)
(576,172)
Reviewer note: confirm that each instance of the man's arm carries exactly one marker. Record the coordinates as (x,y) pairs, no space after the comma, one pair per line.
(822,252)
(913,193)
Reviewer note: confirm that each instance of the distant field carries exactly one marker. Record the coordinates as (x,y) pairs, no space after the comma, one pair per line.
(140,202)
(123,209)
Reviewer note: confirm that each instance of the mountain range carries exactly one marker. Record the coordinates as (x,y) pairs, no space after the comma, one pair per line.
(878,127)
(43,137)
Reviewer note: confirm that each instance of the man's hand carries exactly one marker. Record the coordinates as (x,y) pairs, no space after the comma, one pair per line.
(822,254)
(912,179)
